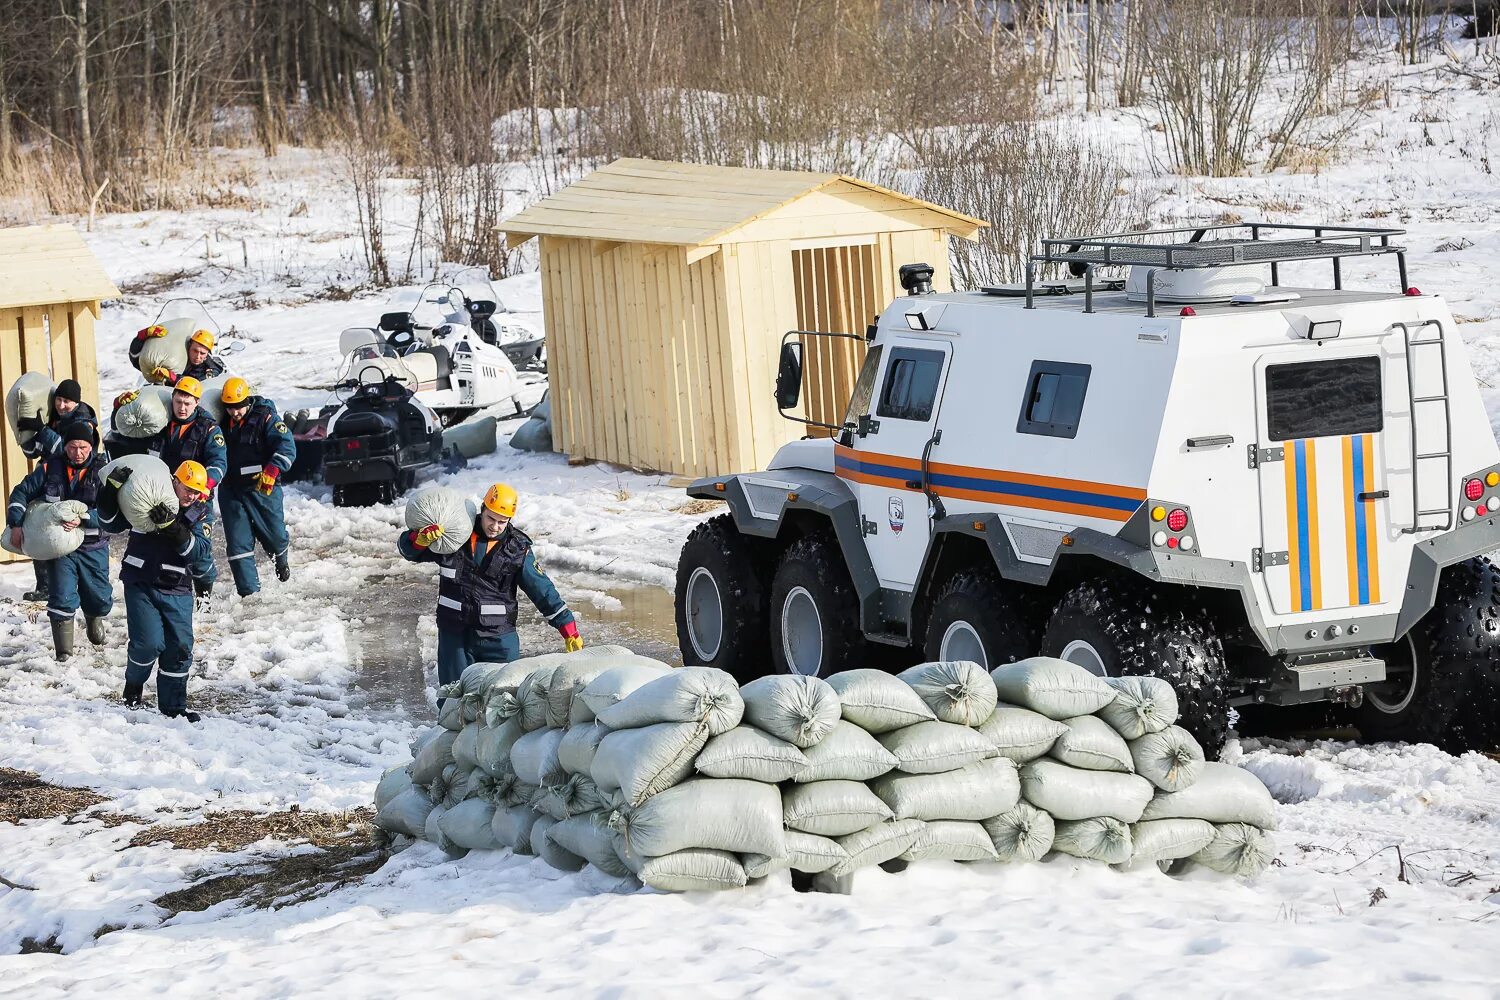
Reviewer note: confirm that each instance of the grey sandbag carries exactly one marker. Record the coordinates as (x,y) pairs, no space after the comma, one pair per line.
(474,686)
(846,754)
(805,852)
(1055,688)
(492,746)
(570,677)
(878,702)
(468,825)
(832,808)
(1169,839)
(588,836)
(536,433)
(1102,838)
(472,438)
(532,696)
(520,794)
(169,351)
(511,826)
(1021,734)
(957,691)
(451,715)
(432,758)
(550,851)
(793,707)
(1092,744)
(643,762)
(461,785)
(405,813)
(725,814)
(1237,849)
(576,795)
(749,753)
(1022,834)
(1141,705)
(1171,759)
(618,682)
(147,415)
(877,845)
(466,746)
(579,745)
(30,396)
(696,869)
(448,509)
(951,840)
(932,747)
(983,789)
(149,486)
(500,697)
(43,536)
(392,783)
(433,834)
(1071,793)
(702,695)
(534,758)
(1223,793)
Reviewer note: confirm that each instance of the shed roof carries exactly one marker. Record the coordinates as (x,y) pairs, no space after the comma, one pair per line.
(692,204)
(43,265)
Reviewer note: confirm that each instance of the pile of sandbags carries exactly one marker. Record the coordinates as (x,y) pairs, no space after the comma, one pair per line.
(42,533)
(28,396)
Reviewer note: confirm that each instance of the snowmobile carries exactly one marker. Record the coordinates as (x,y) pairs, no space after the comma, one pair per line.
(496,323)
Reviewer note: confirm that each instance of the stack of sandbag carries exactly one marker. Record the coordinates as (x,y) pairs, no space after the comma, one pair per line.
(42,533)
(29,396)
(149,486)
(145,415)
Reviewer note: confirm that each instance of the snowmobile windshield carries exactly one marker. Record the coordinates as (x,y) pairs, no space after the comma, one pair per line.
(189,310)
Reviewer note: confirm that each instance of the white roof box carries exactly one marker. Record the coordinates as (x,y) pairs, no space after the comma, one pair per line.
(1200,284)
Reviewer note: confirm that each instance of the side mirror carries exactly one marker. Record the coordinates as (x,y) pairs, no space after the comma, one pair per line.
(233,347)
(789,376)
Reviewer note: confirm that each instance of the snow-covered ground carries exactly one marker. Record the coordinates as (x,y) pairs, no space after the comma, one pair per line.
(299,687)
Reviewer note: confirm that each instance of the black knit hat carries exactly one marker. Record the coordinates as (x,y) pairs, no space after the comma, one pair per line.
(78,430)
(69,389)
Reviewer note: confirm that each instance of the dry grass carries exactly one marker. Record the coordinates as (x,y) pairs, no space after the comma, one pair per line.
(276,882)
(697,506)
(235,830)
(159,282)
(25,796)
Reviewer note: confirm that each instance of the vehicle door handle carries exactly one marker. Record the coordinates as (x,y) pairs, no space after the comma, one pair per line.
(1374,495)
(1210,441)
(914,484)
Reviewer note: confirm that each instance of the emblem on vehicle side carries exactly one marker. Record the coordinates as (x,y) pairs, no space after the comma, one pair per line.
(897,510)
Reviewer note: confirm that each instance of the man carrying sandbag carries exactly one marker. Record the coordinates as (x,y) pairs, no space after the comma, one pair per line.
(192,435)
(158,586)
(82,576)
(476,613)
(261,450)
(201,363)
(67,406)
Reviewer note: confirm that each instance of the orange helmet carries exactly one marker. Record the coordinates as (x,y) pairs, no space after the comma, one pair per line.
(194,476)
(190,385)
(203,337)
(236,391)
(501,499)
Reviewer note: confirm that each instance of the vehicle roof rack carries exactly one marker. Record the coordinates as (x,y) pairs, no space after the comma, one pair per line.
(1227,245)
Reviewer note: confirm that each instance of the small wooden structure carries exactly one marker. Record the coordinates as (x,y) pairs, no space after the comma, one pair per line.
(50,288)
(668,287)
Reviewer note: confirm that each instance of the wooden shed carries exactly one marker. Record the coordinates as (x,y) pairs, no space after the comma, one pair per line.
(667,288)
(51,285)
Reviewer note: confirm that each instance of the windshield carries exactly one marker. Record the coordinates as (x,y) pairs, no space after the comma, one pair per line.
(476,285)
(187,309)
(430,305)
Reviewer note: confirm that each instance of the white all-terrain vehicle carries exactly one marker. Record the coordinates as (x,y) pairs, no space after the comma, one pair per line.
(1265,494)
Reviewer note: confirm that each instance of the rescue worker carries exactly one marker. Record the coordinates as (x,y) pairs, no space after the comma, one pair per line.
(158,587)
(260,451)
(476,613)
(201,363)
(82,576)
(192,435)
(67,406)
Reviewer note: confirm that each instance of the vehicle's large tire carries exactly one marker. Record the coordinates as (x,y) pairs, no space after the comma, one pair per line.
(815,625)
(1124,628)
(976,617)
(721,600)
(1448,697)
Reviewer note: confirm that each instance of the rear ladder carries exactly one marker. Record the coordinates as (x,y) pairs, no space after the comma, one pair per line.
(1432,405)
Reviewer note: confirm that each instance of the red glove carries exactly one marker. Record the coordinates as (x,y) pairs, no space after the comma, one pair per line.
(155,330)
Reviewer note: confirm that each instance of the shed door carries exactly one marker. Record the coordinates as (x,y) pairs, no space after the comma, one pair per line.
(836,293)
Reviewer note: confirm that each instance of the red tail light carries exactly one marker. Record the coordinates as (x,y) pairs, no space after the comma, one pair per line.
(1473,489)
(1177,520)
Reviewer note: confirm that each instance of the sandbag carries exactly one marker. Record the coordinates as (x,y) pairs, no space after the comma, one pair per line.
(643,762)
(693,870)
(1170,759)
(43,536)
(549,850)
(749,753)
(1223,793)
(1141,705)
(949,840)
(1071,793)
(1055,688)
(1092,744)
(534,758)
(619,681)
(29,396)
(1021,834)
(492,746)
(832,808)
(486,786)
(983,789)
(392,783)
(405,813)
(511,827)
(570,677)
(448,509)
(878,702)
(1237,849)
(213,397)
(725,814)
(149,485)
(1102,838)
(589,837)
(805,852)
(578,794)
(1169,839)
(691,694)
(435,755)
(466,745)
(144,416)
(932,747)
(472,438)
(170,351)
(877,845)
(460,785)
(499,697)
(848,753)
(468,825)
(451,714)
(579,745)
(957,691)
(474,686)
(433,834)
(793,707)
(532,697)
(520,793)
(1021,734)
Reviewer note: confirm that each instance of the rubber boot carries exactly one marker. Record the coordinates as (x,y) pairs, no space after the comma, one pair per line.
(62,637)
(203,592)
(95,630)
(132,694)
(41,593)
(183,713)
(284,566)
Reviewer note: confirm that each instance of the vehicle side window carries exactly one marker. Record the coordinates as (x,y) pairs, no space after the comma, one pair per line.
(911,384)
(1053,404)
